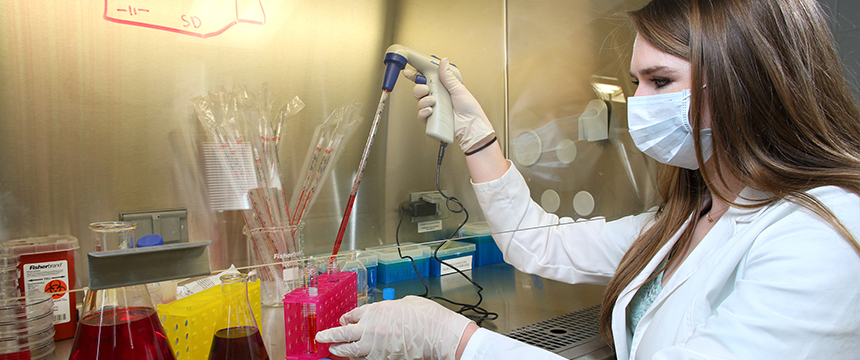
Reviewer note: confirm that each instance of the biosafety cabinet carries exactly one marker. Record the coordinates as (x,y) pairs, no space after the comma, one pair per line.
(100,120)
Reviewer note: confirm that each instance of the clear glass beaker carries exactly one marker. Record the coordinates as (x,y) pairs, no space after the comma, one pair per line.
(279,248)
(113,235)
(119,323)
(238,336)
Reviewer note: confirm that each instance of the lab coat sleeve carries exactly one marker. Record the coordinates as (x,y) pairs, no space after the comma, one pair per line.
(797,296)
(489,345)
(541,243)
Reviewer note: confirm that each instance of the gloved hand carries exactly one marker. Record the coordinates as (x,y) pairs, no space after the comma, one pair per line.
(470,123)
(410,328)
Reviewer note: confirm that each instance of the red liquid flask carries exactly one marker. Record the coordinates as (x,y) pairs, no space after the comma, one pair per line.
(125,333)
(119,323)
(239,343)
(237,337)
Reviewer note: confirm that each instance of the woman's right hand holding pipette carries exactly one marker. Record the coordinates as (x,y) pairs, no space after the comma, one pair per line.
(471,124)
(472,129)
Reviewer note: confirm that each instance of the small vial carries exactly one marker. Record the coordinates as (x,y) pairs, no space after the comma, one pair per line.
(333,270)
(309,275)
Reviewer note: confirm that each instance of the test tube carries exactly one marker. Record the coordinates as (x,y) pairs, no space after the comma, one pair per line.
(309,310)
(310,318)
(309,275)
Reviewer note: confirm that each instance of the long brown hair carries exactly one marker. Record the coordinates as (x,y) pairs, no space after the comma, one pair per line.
(783,118)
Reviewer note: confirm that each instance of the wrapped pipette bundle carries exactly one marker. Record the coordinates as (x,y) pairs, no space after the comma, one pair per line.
(243,173)
(329,137)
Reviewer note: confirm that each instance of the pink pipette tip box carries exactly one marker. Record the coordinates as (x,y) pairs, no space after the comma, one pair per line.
(332,301)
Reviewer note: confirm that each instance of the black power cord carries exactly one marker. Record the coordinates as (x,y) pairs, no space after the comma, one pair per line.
(479,313)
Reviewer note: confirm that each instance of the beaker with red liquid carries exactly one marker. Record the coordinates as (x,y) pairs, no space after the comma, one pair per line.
(238,336)
(119,323)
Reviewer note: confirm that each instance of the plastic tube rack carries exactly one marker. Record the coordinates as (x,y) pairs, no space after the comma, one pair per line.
(332,301)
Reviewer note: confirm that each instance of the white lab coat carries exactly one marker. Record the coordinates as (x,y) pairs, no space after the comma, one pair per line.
(771,283)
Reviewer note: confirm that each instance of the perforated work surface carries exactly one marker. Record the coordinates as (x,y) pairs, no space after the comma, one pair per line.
(562,332)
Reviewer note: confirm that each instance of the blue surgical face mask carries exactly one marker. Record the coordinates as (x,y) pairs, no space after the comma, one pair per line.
(660,127)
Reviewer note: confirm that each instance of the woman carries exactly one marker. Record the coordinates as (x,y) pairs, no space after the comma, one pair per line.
(753,254)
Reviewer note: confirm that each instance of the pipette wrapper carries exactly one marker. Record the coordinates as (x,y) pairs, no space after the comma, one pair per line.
(328,139)
(241,151)
(334,299)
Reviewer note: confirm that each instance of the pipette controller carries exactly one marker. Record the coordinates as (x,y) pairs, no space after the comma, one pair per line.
(440,124)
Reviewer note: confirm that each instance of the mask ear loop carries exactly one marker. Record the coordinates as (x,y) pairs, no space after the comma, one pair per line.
(704,132)
(685,108)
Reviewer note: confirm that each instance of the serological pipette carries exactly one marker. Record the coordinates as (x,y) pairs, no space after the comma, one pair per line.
(349,203)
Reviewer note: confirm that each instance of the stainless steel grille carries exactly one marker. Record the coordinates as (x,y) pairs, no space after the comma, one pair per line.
(563,332)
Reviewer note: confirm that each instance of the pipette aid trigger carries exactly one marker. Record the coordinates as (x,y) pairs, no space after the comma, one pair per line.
(440,124)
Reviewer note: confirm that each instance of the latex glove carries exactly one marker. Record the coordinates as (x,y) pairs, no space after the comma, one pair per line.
(409,328)
(471,125)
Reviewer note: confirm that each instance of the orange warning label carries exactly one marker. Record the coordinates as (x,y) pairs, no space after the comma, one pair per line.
(56,287)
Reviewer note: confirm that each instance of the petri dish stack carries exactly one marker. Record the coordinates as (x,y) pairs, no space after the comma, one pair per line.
(26,324)
(9,275)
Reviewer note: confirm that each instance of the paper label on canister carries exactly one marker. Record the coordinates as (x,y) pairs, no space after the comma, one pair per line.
(50,277)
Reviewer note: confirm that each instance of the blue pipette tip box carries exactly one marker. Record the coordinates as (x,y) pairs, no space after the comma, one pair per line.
(392,268)
(486,250)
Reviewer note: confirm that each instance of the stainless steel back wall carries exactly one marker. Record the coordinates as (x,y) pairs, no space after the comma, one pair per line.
(563,55)
(96,119)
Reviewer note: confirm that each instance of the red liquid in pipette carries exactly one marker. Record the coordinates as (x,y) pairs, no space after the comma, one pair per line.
(361,165)
(343,223)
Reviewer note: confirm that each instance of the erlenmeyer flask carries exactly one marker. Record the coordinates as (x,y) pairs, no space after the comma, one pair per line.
(119,323)
(238,336)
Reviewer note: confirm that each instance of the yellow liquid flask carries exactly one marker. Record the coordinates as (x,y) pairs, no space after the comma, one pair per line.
(238,336)
(119,323)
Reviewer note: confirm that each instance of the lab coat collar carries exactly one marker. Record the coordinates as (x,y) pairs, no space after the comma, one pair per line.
(716,243)
(748,196)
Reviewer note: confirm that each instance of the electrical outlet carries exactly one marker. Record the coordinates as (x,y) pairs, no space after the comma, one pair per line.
(433,197)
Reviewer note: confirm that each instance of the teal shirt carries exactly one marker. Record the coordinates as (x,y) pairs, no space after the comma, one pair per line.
(644,297)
